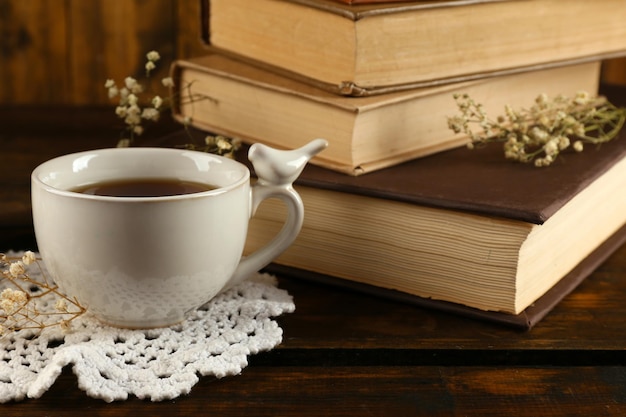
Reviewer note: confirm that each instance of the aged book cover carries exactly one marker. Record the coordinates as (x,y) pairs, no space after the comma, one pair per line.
(365,133)
(465,231)
(375,48)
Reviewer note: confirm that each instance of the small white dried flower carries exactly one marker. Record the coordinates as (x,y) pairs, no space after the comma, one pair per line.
(582,97)
(150,114)
(578,146)
(167,82)
(222,143)
(132,99)
(61,305)
(65,325)
(138,130)
(564,142)
(11,300)
(29,258)
(121,111)
(16,296)
(551,147)
(510,113)
(153,56)
(111,87)
(132,118)
(7,306)
(150,66)
(113,92)
(130,83)
(579,130)
(133,85)
(157,102)
(16,269)
(124,92)
(538,133)
(456,124)
(133,109)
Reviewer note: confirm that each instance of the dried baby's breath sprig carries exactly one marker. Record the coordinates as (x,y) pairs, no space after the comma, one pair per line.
(22,304)
(136,106)
(218,144)
(539,134)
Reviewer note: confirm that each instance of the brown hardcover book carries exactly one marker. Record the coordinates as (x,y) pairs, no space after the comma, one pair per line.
(365,133)
(376,48)
(465,231)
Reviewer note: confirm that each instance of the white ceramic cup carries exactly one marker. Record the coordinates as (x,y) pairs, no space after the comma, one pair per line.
(142,262)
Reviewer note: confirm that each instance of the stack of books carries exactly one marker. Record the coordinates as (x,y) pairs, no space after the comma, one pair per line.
(376,80)
(395,205)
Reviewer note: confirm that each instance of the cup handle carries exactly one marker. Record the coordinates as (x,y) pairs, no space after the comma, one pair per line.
(276,171)
(285,237)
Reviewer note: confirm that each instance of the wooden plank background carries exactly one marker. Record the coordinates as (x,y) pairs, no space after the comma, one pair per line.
(60,52)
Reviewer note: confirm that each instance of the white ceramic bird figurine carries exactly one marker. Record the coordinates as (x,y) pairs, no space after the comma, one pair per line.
(282,167)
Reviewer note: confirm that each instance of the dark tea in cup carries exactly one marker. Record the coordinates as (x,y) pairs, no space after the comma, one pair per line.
(144,187)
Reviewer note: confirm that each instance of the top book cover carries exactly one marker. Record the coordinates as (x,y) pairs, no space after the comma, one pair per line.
(373,47)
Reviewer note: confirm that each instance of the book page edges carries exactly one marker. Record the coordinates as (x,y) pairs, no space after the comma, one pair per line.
(526,320)
(350,88)
(573,232)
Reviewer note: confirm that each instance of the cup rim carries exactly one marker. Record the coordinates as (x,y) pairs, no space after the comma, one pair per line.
(37,173)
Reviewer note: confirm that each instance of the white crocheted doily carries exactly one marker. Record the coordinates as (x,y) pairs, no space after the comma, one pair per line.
(155,364)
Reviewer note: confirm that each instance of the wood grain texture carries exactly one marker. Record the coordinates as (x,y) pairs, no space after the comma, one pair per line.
(62,51)
(366,391)
(110,39)
(33,52)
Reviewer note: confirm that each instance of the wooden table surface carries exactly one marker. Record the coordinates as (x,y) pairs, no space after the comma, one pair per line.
(349,354)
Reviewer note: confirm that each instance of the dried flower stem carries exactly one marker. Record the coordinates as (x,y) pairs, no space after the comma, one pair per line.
(135,111)
(21,305)
(540,133)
